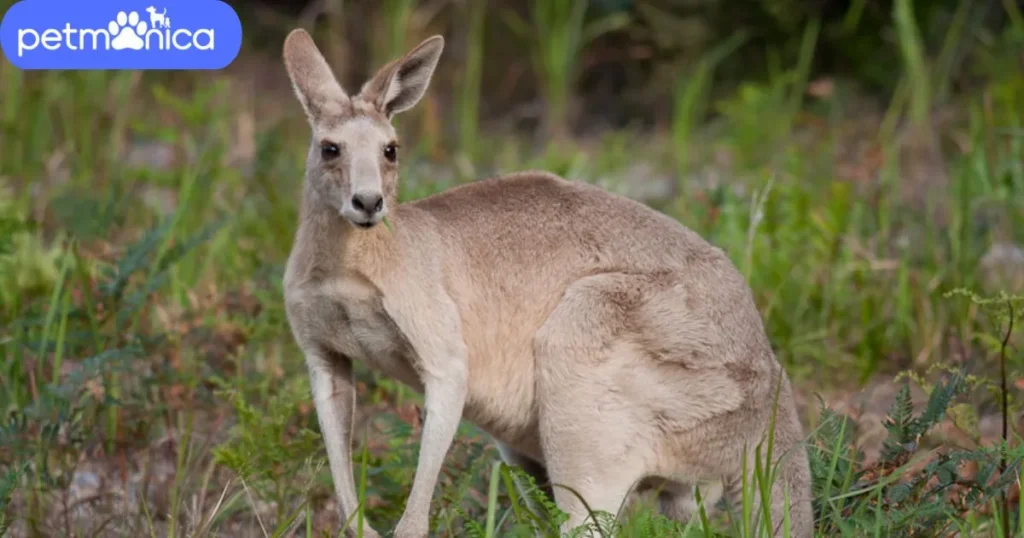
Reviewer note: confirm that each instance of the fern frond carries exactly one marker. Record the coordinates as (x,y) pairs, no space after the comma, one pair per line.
(938,403)
(899,425)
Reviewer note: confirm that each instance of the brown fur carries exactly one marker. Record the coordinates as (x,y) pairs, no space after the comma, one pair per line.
(601,343)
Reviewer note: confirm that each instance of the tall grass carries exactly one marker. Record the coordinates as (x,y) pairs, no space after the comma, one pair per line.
(556,33)
(468,102)
(690,98)
(392,37)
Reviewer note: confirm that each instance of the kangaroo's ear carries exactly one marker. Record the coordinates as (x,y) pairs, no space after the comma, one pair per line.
(399,85)
(311,77)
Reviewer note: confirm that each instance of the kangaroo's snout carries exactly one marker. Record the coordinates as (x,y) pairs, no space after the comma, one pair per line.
(365,208)
(368,203)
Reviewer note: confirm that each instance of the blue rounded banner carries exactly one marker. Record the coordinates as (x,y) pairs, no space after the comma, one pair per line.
(121,34)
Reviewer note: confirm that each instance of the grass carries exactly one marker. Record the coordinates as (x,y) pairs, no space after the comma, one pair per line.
(150,386)
(558,30)
(468,107)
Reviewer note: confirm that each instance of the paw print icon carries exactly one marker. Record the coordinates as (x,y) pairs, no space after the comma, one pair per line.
(127,30)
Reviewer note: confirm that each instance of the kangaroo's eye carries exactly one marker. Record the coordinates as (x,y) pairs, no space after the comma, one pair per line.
(391,152)
(329,151)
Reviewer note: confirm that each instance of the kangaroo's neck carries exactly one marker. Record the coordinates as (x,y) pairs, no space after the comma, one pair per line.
(327,244)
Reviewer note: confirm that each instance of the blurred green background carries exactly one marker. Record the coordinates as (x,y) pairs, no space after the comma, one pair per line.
(857,159)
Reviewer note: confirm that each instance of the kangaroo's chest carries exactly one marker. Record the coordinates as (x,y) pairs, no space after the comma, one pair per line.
(347,316)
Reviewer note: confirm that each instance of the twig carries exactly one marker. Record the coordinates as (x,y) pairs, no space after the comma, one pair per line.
(255,509)
(213,513)
(1006,409)
(87,499)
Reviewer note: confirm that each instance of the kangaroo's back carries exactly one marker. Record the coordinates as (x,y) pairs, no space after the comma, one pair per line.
(537,221)
(513,244)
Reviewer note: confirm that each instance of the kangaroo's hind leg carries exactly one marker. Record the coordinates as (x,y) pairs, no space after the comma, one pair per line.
(678,501)
(597,433)
(609,401)
(792,481)
(646,374)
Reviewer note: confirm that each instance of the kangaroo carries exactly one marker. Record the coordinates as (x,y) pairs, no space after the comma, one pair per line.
(606,349)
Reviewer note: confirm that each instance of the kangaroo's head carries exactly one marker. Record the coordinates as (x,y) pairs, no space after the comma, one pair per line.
(353,158)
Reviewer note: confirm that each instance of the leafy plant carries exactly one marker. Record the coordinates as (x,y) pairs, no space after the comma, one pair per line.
(910,490)
(52,412)
(1002,310)
(8,482)
(557,34)
(267,448)
(905,429)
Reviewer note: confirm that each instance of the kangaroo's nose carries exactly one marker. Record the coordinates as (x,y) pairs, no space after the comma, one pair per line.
(368,203)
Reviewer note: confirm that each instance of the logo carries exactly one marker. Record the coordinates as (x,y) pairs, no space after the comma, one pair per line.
(120,34)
